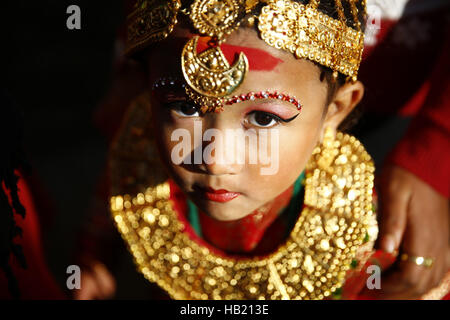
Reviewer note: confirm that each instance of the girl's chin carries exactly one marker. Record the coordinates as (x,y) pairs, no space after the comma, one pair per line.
(223,212)
(221,216)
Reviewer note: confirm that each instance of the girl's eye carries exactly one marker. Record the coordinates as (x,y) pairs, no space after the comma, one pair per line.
(184,109)
(263,119)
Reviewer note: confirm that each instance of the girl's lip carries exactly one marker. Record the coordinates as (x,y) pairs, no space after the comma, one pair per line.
(220,195)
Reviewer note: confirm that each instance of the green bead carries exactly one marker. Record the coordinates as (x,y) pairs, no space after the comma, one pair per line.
(366,238)
(337,295)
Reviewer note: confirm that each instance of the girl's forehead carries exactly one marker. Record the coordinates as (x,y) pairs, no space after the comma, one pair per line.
(269,69)
(164,59)
(261,57)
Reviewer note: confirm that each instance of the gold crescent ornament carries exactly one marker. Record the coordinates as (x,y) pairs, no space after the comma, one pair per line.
(209,72)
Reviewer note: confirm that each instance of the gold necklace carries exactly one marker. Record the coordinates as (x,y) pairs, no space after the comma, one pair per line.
(337,221)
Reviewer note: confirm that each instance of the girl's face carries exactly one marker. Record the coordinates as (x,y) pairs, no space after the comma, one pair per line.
(220,185)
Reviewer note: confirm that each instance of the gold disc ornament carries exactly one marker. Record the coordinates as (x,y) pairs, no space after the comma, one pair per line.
(217,18)
(149,22)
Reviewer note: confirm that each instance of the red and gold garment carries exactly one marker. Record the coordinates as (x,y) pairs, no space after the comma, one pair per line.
(36,281)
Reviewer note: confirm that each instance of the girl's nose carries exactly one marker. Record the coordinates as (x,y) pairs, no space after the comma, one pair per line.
(220,153)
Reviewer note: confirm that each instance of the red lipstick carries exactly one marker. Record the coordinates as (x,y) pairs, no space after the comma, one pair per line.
(220,195)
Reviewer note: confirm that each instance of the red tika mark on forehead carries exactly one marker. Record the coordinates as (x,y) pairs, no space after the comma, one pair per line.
(258,60)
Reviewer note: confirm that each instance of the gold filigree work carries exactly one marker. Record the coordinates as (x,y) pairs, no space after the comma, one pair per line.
(209,72)
(152,20)
(217,18)
(310,34)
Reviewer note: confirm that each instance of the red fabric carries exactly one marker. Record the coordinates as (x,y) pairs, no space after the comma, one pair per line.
(414,81)
(256,239)
(35,282)
(401,62)
(357,280)
(425,150)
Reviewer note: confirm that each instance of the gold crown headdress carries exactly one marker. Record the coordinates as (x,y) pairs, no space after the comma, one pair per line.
(284,24)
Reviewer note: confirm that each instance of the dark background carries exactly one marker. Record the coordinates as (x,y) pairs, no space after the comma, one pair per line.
(56,77)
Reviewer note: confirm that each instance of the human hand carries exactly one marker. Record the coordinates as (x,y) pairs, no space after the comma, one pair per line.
(96,283)
(414,220)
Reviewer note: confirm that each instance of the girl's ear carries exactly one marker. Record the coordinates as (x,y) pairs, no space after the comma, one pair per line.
(344,101)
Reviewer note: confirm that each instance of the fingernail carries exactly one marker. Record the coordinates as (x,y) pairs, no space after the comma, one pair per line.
(389,244)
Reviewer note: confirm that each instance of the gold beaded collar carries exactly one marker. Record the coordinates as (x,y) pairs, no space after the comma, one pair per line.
(336,222)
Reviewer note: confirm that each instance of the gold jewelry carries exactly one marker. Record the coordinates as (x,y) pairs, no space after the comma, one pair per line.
(329,150)
(310,34)
(205,103)
(418,260)
(311,264)
(209,72)
(150,21)
(284,24)
(217,18)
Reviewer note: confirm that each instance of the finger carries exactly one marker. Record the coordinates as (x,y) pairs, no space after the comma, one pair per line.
(410,281)
(88,289)
(403,283)
(393,211)
(424,238)
(406,283)
(105,281)
(439,273)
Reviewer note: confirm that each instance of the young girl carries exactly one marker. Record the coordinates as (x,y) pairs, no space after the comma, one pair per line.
(230,177)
